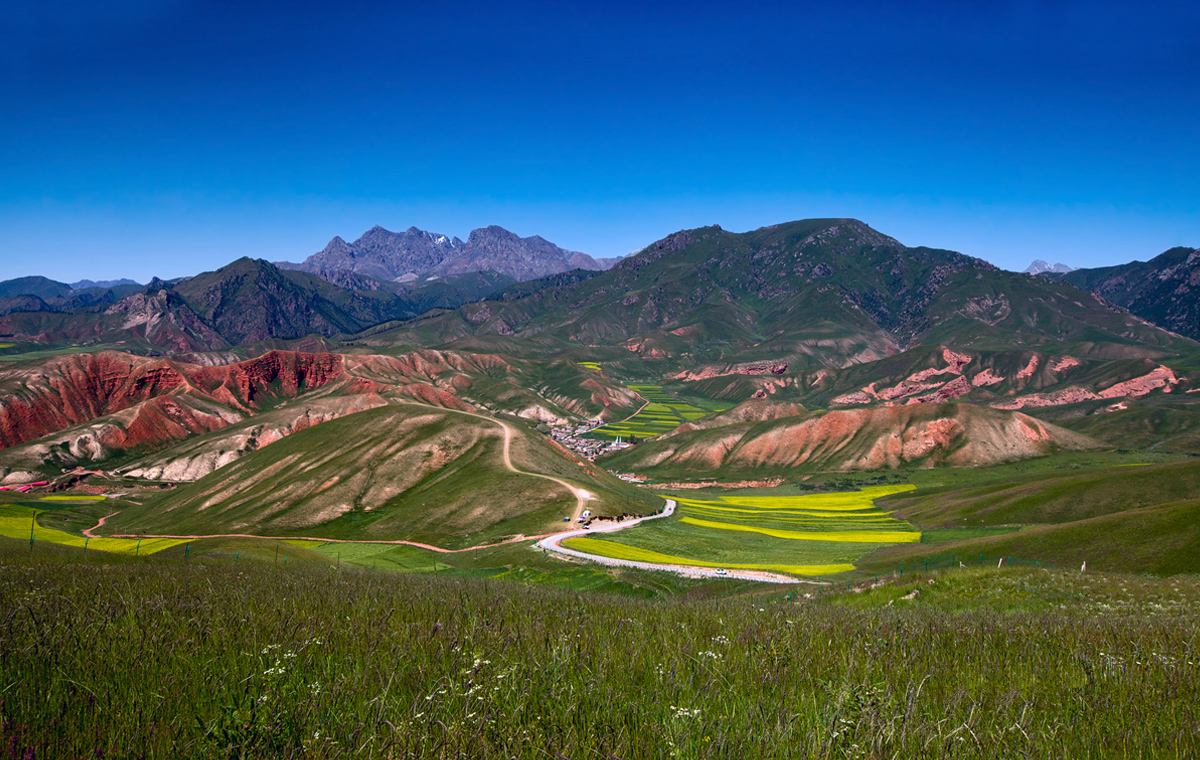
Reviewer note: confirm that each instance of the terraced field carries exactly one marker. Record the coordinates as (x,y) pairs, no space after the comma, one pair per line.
(662,413)
(810,534)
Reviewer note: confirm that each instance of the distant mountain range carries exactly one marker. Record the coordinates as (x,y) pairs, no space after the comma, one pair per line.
(249,301)
(345,288)
(842,348)
(825,292)
(821,292)
(1038,266)
(84,284)
(416,255)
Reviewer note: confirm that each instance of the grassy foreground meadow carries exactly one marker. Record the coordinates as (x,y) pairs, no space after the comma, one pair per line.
(152,657)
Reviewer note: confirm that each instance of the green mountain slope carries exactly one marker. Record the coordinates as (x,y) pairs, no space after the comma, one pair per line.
(253,300)
(398,472)
(815,293)
(1164,290)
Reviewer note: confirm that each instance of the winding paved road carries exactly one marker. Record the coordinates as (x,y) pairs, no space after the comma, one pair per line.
(553,543)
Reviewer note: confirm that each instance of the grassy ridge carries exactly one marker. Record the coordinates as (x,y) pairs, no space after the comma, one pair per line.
(251,660)
(397,472)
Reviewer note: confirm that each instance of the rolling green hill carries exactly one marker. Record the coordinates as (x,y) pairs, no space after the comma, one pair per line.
(399,472)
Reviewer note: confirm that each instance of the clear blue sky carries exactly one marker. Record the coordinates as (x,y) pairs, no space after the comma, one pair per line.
(166,137)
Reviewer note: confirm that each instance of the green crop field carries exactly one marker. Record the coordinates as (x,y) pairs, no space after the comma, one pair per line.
(812,534)
(21,522)
(661,414)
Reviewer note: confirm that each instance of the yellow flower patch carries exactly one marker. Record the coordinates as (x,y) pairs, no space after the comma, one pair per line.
(614,550)
(841,536)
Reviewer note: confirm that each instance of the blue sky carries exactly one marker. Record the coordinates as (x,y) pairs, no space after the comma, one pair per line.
(167,137)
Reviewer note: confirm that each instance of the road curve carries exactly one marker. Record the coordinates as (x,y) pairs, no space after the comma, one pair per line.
(554,544)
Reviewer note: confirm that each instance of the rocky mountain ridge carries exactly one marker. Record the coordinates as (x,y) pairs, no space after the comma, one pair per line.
(1039,266)
(416,254)
(1164,290)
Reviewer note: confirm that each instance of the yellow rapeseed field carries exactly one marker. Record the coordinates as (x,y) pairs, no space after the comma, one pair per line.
(841,536)
(621,551)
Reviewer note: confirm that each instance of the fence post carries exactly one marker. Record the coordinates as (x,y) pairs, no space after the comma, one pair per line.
(32,525)
(86,541)
(137,550)
(276,555)
(187,552)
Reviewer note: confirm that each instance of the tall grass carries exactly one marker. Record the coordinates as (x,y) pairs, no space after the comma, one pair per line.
(157,658)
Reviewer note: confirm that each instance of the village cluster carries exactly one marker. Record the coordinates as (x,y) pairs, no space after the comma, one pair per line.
(574,437)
